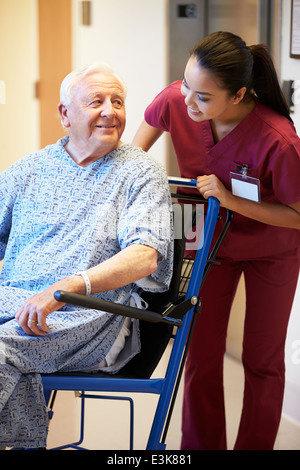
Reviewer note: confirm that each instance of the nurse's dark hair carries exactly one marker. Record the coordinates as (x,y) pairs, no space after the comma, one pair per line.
(235,65)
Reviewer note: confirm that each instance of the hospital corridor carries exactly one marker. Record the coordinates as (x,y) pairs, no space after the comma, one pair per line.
(156,47)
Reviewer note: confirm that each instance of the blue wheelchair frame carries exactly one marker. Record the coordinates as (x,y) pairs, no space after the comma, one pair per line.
(167,386)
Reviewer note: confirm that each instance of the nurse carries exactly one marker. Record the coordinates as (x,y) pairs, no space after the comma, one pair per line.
(231,129)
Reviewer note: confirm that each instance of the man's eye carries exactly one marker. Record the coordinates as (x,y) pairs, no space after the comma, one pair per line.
(95,103)
(118,103)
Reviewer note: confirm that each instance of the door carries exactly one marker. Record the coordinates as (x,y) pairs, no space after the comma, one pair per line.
(55,59)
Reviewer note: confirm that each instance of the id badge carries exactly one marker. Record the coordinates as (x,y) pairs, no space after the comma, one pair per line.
(245,186)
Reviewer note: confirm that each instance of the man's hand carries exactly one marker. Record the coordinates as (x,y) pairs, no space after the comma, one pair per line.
(33,313)
(129,265)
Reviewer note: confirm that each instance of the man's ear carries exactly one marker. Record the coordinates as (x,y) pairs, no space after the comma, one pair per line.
(63,111)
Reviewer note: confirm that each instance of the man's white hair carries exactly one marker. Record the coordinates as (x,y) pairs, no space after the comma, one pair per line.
(72,79)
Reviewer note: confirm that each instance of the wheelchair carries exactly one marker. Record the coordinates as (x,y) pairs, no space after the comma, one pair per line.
(169,321)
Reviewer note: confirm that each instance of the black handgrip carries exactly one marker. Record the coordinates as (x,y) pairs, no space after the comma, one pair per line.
(111,307)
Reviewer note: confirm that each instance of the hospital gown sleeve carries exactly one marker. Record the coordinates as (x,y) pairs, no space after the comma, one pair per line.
(147,219)
(9,186)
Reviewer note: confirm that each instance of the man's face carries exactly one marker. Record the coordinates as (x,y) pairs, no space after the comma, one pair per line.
(96,117)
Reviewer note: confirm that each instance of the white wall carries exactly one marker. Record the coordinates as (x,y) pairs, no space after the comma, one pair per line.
(290,70)
(130,36)
(19,122)
(19,70)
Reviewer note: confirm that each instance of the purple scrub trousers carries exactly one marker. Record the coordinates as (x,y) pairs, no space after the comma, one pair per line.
(270,288)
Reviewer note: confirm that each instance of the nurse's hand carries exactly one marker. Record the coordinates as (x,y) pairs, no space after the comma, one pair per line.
(211,186)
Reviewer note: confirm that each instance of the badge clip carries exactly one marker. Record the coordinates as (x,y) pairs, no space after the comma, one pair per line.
(242,169)
(243,185)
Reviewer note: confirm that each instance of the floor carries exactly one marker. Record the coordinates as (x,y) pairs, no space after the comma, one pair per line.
(108,421)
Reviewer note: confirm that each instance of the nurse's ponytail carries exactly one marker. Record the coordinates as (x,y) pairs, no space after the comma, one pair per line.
(235,65)
(265,84)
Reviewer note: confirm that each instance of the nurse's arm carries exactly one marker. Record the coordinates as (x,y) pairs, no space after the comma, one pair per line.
(146,136)
(279,215)
(269,213)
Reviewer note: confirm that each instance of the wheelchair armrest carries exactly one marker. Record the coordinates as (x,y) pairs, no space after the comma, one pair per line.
(177,311)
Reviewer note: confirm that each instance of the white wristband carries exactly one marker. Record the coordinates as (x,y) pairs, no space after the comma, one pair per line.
(85,277)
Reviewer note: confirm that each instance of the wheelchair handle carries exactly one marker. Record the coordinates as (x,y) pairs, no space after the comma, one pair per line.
(177,181)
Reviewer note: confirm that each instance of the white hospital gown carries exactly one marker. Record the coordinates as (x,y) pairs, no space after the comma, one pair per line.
(56,219)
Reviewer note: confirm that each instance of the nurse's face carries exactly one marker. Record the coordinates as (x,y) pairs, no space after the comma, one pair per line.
(204,98)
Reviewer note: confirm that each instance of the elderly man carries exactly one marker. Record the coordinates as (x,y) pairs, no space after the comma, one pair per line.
(88,214)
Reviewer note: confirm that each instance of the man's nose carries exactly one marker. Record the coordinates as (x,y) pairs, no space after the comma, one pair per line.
(107,108)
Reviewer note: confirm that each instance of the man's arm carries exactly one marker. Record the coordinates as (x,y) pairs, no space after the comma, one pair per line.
(129,265)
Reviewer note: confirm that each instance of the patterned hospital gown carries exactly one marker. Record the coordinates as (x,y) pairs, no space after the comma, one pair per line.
(56,219)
